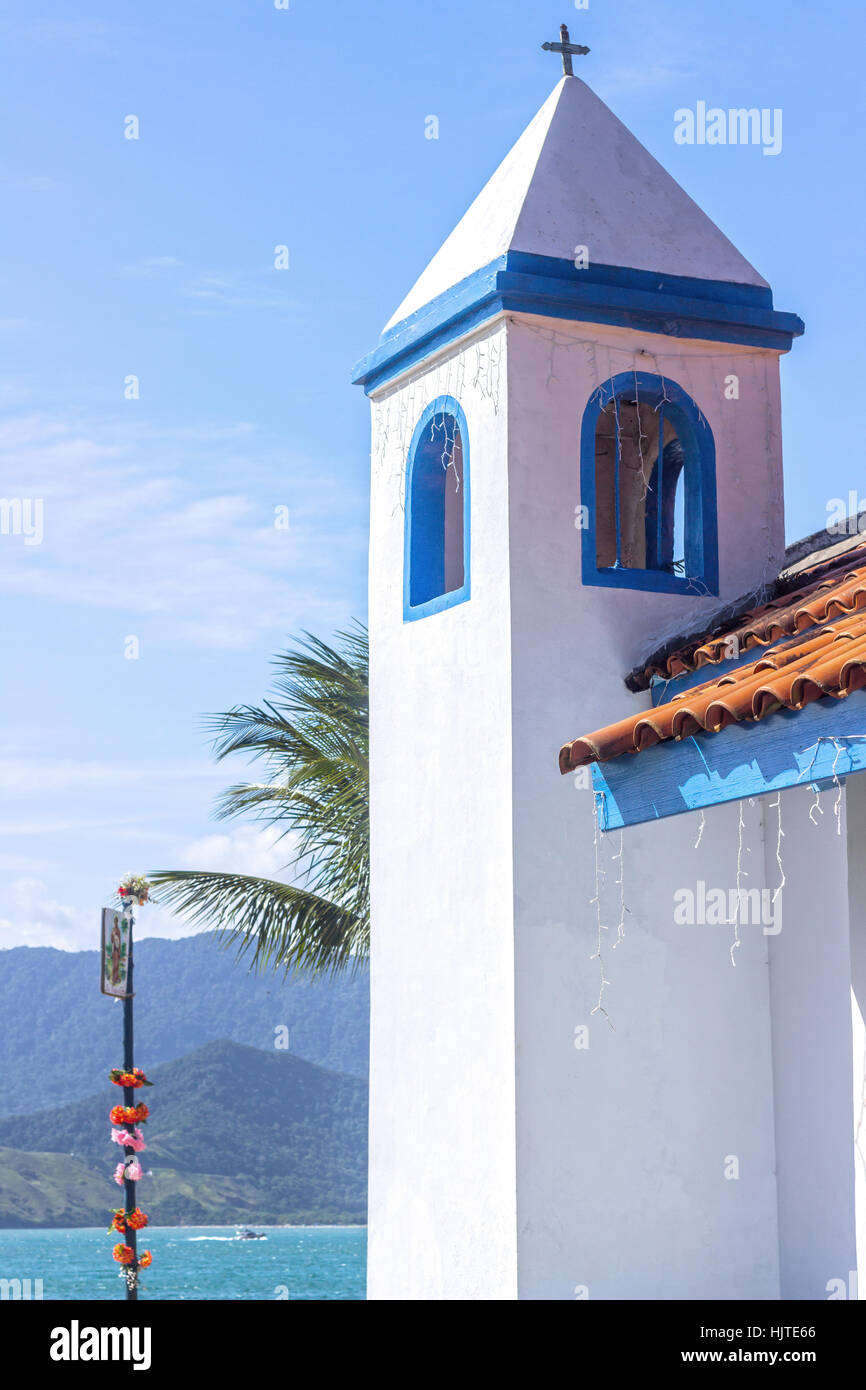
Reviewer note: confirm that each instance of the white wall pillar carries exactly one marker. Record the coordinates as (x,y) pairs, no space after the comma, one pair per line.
(855,797)
(812,1046)
(442,1222)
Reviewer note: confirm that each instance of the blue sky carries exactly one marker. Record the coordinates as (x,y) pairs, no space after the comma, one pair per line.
(155,258)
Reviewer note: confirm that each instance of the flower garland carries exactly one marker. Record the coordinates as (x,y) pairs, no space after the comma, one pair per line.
(130,1139)
(131,1080)
(129,1114)
(124,1221)
(125,1255)
(128,1171)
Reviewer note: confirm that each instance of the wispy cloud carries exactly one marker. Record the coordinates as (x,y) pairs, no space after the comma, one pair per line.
(81,35)
(155,523)
(645,58)
(35,776)
(31,183)
(215,290)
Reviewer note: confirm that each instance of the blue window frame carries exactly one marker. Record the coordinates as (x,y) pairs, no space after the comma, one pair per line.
(436,538)
(648,483)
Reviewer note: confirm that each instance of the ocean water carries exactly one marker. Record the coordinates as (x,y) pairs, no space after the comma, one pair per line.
(194,1262)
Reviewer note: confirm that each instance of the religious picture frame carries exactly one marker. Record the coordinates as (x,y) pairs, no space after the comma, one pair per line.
(114,952)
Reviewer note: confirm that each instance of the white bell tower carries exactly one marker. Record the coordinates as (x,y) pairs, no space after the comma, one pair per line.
(576,451)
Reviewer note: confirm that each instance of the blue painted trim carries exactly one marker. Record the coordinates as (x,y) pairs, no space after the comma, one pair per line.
(443,405)
(701,531)
(678,306)
(787,749)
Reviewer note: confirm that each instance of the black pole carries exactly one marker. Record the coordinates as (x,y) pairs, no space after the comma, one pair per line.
(129,1203)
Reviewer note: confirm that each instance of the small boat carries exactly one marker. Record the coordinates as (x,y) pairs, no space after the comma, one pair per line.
(250,1235)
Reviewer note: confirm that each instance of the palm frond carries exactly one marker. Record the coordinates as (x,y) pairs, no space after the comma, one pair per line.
(283,925)
(311,735)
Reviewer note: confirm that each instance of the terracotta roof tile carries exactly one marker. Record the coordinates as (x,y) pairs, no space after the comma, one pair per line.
(827,588)
(814,645)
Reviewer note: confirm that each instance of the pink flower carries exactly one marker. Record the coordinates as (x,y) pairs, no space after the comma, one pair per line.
(129,1140)
(129,1171)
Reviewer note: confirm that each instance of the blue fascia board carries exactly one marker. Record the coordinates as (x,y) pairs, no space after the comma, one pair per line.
(518,282)
(787,749)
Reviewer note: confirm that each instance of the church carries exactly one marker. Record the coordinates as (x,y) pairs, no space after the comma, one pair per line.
(618,964)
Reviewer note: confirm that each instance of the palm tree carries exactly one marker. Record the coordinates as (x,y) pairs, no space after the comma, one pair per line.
(312,738)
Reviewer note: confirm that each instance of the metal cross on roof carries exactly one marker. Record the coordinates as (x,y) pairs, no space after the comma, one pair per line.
(566,48)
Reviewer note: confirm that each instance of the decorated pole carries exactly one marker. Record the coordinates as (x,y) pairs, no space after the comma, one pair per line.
(129,1099)
(117,980)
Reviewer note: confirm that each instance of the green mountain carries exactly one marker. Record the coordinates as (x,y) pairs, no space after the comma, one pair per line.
(188,993)
(236,1135)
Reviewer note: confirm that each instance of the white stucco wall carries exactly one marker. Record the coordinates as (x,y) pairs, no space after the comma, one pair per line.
(442,1151)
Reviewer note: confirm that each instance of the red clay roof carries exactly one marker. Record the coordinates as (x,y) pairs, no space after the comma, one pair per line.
(814,644)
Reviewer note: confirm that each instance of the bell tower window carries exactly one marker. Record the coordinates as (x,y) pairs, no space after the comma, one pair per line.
(648,482)
(436,550)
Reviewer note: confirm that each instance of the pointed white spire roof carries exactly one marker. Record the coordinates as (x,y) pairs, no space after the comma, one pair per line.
(577,176)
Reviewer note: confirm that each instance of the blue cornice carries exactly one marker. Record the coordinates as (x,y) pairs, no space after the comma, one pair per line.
(678,306)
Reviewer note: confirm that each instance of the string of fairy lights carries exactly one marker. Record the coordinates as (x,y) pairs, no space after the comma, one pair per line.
(837,742)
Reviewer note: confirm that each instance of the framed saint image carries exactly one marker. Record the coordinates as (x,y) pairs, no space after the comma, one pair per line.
(115,951)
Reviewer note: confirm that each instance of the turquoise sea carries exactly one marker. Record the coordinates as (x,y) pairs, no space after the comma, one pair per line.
(189,1262)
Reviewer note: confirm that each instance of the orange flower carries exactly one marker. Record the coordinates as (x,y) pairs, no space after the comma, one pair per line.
(145,1259)
(129,1114)
(124,1254)
(131,1079)
(124,1221)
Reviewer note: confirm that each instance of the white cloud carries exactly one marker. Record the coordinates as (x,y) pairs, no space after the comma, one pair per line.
(29,917)
(37,920)
(261,853)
